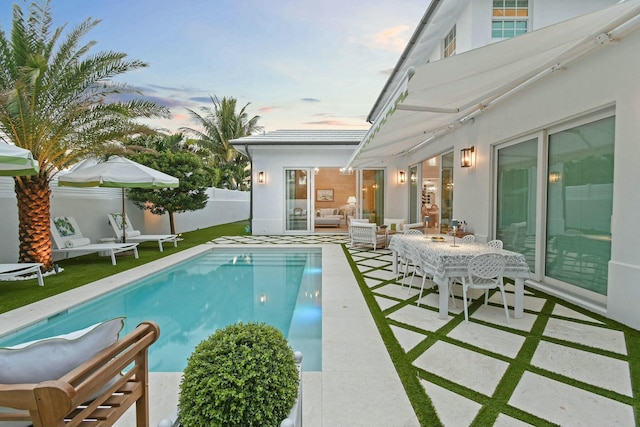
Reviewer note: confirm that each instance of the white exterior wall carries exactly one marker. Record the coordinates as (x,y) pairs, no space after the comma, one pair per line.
(473,25)
(603,80)
(90,207)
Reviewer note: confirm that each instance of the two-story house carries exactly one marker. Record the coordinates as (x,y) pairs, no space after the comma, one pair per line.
(518,117)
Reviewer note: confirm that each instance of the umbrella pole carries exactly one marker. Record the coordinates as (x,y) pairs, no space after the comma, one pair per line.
(124,220)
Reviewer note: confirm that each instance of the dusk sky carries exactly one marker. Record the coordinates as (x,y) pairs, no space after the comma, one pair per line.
(301,64)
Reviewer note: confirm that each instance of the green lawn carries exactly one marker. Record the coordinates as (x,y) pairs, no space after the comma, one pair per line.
(86,269)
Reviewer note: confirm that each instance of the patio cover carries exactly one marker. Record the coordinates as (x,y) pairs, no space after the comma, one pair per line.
(438,97)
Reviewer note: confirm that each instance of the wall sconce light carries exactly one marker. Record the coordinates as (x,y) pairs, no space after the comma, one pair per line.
(261,177)
(414,178)
(554,177)
(402,177)
(466,157)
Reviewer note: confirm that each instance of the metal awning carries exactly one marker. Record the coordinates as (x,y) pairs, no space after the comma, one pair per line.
(442,95)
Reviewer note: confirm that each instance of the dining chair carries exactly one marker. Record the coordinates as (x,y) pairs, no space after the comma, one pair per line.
(406,257)
(420,269)
(495,244)
(469,238)
(485,272)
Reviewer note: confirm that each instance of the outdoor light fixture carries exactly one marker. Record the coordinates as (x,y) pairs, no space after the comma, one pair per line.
(554,177)
(261,177)
(414,178)
(466,157)
(402,177)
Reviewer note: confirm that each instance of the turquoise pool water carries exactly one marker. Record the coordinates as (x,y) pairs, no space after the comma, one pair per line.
(191,300)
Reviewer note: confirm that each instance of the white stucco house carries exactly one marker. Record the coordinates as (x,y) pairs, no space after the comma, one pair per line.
(520,118)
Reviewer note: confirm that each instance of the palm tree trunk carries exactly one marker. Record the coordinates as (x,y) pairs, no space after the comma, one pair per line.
(34,202)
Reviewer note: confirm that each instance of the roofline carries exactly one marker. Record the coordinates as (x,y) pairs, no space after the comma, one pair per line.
(299,143)
(405,54)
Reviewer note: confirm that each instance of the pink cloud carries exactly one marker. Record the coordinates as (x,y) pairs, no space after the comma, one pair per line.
(392,38)
(268,109)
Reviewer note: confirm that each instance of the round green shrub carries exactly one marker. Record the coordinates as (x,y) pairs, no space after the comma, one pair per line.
(242,375)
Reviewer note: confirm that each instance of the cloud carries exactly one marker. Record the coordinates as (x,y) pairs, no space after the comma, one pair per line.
(335,122)
(310,100)
(179,116)
(268,109)
(392,39)
(204,99)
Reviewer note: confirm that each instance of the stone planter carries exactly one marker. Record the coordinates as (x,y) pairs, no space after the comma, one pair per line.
(293,420)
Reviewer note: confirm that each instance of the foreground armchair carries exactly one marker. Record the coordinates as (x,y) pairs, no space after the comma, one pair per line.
(96,392)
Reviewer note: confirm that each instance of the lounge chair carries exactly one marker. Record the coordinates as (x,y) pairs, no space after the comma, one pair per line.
(132,235)
(67,238)
(11,271)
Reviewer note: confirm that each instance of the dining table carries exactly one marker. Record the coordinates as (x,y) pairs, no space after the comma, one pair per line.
(444,259)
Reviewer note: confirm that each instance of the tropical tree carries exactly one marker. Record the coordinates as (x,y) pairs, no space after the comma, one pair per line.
(190,195)
(220,124)
(175,142)
(60,102)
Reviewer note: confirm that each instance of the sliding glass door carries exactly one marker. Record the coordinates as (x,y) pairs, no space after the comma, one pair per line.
(580,204)
(570,246)
(517,196)
(297,200)
(372,195)
(414,206)
(446,191)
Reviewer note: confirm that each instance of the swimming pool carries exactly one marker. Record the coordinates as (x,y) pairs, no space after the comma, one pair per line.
(281,287)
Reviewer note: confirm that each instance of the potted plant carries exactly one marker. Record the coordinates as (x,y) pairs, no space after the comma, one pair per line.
(243,375)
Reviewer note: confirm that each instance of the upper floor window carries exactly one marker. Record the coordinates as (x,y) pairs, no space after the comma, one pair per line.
(450,43)
(510,18)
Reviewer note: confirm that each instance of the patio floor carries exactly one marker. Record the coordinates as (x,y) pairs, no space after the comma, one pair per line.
(559,365)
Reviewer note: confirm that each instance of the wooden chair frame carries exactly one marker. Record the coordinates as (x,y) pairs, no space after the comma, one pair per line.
(71,400)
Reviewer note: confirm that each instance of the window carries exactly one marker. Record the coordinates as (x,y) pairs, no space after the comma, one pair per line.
(450,43)
(510,18)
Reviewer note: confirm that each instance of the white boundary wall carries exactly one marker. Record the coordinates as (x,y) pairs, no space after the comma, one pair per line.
(90,207)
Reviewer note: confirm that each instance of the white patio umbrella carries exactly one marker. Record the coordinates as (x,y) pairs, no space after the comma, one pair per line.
(117,172)
(16,161)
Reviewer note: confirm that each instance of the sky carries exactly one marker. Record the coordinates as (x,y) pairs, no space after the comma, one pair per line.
(300,64)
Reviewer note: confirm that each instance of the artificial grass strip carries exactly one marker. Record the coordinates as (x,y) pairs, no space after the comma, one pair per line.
(422,405)
(493,406)
(488,414)
(633,348)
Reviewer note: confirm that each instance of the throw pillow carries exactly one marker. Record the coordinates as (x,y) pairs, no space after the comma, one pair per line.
(51,358)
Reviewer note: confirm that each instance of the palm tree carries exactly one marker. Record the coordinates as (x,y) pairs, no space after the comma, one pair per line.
(222,124)
(61,103)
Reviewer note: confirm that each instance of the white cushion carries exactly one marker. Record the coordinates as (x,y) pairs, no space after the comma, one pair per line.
(51,358)
(76,243)
(394,224)
(132,233)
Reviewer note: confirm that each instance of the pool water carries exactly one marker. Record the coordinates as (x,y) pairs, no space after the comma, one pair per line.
(193,299)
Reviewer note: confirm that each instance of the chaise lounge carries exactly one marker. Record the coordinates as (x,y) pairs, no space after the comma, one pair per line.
(133,235)
(12,271)
(67,238)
